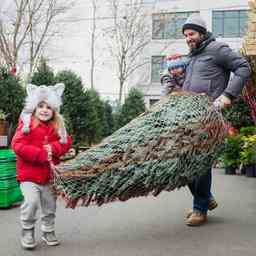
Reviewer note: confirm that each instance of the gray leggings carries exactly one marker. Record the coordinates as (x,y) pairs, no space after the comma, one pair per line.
(36,196)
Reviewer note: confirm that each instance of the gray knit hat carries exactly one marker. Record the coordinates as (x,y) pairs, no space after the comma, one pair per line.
(196,23)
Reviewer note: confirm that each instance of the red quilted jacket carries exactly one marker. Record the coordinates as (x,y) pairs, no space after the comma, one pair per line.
(32,163)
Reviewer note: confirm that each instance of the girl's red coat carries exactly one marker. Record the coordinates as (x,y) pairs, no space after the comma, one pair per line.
(32,163)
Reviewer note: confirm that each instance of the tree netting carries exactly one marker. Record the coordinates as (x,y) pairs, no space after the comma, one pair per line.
(162,149)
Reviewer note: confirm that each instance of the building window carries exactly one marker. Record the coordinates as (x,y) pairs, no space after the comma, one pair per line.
(156,67)
(152,102)
(169,25)
(229,23)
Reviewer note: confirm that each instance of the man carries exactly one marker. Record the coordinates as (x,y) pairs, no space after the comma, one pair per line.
(208,71)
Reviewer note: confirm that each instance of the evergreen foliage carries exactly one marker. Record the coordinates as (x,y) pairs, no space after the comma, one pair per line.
(76,106)
(132,107)
(12,95)
(44,74)
(95,117)
(109,123)
(239,114)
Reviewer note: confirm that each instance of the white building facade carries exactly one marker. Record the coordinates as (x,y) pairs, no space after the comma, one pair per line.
(226,19)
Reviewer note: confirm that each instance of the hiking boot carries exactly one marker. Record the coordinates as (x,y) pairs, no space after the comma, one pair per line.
(211,206)
(28,238)
(196,219)
(50,239)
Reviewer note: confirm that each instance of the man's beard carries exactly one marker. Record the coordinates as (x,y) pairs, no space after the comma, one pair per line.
(195,43)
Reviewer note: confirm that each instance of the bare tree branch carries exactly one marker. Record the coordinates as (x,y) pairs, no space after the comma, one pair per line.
(30,30)
(130,35)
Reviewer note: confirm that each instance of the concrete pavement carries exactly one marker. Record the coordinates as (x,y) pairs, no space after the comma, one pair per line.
(149,226)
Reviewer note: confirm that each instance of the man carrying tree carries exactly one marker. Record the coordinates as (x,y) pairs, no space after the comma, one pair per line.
(208,71)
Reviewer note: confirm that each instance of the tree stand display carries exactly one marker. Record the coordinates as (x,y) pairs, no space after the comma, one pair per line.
(162,149)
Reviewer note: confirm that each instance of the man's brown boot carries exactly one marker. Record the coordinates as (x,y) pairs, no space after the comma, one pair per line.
(196,219)
(211,206)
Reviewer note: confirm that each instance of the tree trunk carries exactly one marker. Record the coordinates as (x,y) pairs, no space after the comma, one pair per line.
(93,44)
(121,87)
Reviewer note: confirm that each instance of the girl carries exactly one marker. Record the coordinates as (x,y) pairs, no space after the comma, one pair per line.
(174,73)
(38,150)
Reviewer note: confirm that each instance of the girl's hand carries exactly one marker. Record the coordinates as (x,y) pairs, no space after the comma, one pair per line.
(54,169)
(48,149)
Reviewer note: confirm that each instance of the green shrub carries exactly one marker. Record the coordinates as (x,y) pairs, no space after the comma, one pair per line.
(249,130)
(248,151)
(231,153)
(238,114)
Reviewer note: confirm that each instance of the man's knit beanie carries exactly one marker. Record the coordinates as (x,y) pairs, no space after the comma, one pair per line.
(196,23)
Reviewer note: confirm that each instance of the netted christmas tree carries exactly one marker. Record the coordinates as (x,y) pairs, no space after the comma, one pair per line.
(162,149)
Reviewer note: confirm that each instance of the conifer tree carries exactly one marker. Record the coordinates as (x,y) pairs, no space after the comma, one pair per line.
(12,95)
(76,106)
(132,107)
(96,118)
(110,123)
(44,74)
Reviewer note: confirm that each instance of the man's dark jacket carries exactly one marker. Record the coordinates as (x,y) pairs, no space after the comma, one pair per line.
(210,67)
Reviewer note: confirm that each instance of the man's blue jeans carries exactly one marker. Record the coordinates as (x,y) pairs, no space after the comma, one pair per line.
(201,191)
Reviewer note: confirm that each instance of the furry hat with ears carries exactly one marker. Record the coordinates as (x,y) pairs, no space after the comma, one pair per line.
(49,94)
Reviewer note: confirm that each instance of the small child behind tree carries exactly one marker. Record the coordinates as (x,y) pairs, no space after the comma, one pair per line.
(174,73)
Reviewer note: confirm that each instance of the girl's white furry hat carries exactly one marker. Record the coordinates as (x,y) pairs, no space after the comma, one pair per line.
(49,94)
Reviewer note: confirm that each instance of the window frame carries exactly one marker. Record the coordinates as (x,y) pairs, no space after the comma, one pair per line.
(161,58)
(224,32)
(162,18)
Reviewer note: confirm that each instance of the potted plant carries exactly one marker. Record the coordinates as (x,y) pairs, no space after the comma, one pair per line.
(239,114)
(231,152)
(246,131)
(248,155)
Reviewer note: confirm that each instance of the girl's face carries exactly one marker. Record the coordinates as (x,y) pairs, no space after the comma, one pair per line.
(43,112)
(177,71)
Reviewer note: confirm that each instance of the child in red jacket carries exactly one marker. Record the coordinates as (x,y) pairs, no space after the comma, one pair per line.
(38,148)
